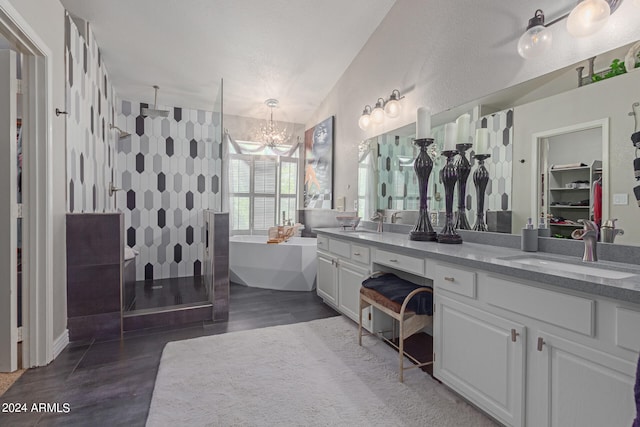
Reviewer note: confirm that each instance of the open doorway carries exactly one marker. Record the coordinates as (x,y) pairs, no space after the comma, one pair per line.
(25,177)
(571,166)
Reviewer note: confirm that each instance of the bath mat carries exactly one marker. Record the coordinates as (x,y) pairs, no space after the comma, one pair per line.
(311,374)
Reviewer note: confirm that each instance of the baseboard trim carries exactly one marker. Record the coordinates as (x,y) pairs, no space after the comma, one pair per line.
(60,343)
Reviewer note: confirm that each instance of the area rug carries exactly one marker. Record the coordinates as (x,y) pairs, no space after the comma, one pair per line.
(305,374)
(7,380)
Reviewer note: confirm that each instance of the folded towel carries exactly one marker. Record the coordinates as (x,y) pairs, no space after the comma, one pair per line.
(396,289)
(568,165)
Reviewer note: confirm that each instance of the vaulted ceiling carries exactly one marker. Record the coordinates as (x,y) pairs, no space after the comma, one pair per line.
(294,51)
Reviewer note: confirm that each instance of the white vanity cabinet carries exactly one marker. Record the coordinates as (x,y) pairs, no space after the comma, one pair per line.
(580,386)
(342,266)
(478,354)
(530,355)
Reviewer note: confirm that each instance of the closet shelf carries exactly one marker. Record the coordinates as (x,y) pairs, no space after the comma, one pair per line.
(570,189)
(566,225)
(569,207)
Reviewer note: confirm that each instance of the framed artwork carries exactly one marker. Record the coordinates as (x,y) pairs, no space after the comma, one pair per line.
(318,170)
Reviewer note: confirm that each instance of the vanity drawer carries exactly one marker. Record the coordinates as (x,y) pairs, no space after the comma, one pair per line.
(627,335)
(401,262)
(360,253)
(323,243)
(567,311)
(340,248)
(455,279)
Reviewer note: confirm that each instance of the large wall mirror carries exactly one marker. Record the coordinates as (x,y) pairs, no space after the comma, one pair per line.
(536,128)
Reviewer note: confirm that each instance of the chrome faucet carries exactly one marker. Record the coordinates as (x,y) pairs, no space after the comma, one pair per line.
(589,234)
(378,217)
(395,216)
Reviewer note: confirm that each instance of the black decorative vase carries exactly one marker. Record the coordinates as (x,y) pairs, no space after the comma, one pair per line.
(480,179)
(464,168)
(423,230)
(449,179)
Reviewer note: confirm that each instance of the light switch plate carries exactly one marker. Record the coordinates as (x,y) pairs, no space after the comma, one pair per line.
(621,199)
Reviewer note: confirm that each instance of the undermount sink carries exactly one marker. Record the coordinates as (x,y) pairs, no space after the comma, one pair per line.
(558,266)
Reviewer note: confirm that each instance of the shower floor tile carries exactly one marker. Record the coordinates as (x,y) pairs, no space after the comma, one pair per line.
(150,294)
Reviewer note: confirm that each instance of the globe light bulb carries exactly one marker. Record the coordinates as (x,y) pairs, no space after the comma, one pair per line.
(377,115)
(537,38)
(364,121)
(588,17)
(392,108)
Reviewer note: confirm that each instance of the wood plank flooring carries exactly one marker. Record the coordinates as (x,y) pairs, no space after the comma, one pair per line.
(110,383)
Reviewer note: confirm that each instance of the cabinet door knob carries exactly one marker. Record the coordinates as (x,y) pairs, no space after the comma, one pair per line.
(356,253)
(393,260)
(540,343)
(514,335)
(450,279)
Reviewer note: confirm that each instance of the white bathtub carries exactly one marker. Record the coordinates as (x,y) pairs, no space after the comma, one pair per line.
(289,266)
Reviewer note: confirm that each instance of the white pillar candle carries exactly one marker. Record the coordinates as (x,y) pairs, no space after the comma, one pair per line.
(482,141)
(450,136)
(423,123)
(463,128)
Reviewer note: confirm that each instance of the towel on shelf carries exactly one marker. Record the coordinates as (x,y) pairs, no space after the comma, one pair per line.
(568,165)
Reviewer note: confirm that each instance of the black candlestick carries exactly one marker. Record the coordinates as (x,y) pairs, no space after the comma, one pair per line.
(449,179)
(480,179)
(464,168)
(423,165)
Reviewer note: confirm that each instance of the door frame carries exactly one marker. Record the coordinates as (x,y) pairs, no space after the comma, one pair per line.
(537,141)
(37,238)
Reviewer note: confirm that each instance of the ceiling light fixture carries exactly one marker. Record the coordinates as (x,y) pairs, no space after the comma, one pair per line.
(365,119)
(270,134)
(585,19)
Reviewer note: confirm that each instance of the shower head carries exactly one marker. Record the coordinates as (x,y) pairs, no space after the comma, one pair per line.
(121,133)
(154,112)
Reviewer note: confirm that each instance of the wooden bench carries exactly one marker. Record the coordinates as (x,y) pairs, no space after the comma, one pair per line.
(409,321)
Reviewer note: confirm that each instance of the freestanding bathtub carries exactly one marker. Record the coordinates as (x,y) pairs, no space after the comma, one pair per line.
(288,266)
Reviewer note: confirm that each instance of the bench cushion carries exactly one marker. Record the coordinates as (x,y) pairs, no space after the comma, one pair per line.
(395,290)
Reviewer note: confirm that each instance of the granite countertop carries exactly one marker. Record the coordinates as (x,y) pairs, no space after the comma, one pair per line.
(566,272)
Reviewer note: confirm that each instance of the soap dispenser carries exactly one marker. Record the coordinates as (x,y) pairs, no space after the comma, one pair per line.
(529,238)
(543,230)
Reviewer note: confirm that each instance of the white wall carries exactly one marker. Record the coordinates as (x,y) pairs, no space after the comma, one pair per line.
(46,18)
(443,54)
(611,99)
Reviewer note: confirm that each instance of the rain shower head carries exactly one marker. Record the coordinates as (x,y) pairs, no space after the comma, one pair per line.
(154,112)
(121,133)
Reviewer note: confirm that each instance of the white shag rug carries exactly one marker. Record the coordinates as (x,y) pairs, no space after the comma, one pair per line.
(304,374)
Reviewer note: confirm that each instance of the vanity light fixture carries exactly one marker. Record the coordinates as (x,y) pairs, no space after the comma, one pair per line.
(365,118)
(377,115)
(585,19)
(389,108)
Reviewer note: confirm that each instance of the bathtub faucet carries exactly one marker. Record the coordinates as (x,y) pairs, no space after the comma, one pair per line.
(378,217)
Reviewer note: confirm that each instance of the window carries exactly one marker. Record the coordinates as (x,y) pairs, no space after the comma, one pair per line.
(263,188)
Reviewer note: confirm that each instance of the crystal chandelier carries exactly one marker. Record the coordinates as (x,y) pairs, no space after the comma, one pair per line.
(269,132)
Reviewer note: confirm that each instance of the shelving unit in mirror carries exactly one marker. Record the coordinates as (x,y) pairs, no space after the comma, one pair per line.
(572,195)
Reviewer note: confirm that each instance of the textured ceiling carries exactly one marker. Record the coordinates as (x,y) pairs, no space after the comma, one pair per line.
(292,50)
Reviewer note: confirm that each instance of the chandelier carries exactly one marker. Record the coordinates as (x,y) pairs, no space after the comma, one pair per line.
(269,132)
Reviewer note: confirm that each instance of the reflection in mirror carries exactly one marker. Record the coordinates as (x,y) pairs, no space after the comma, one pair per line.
(389,182)
(512,176)
(569,165)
